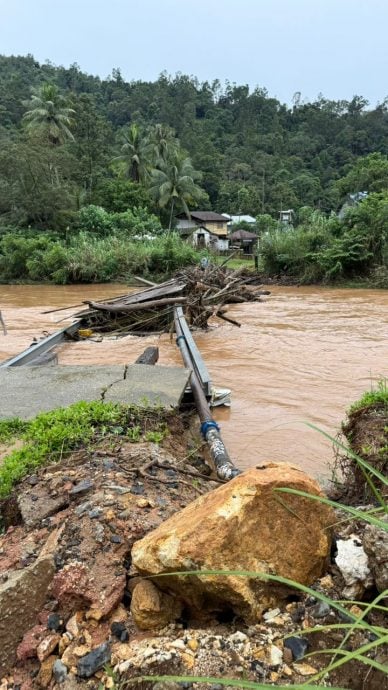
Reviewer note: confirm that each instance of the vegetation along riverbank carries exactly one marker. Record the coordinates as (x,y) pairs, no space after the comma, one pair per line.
(91,497)
(95,173)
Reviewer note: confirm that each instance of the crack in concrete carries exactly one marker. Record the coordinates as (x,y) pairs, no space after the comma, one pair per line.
(107,388)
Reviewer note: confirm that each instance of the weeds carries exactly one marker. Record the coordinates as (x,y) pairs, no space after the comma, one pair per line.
(89,259)
(51,435)
(11,428)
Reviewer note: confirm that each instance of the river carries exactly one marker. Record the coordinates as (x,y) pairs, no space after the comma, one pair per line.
(302,355)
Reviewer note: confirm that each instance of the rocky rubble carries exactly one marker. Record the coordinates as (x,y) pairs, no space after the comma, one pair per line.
(88,609)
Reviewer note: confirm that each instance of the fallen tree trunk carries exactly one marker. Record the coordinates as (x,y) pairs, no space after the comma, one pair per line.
(124,308)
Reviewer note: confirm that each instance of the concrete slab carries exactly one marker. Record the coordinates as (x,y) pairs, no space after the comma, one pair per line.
(146,385)
(24,392)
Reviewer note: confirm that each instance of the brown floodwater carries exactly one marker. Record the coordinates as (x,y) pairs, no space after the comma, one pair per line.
(302,355)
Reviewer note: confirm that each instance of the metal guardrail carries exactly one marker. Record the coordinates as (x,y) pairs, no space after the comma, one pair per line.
(41,347)
(199,365)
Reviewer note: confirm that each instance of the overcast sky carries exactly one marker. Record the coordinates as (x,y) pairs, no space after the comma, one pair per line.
(337,47)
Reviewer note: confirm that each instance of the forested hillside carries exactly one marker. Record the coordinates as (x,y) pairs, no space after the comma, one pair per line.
(144,150)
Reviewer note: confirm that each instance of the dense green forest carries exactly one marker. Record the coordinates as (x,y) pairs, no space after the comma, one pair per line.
(84,158)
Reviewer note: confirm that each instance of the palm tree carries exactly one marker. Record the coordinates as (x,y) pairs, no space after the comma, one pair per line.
(175,183)
(49,114)
(135,154)
(163,143)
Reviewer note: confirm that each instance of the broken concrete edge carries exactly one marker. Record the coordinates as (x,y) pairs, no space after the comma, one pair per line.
(28,391)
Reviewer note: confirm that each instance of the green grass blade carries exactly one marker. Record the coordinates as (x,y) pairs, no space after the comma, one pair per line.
(376,607)
(353,655)
(349,656)
(335,626)
(361,617)
(349,452)
(249,685)
(359,514)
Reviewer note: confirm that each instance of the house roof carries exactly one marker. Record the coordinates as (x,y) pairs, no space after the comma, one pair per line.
(209,216)
(242,219)
(242,235)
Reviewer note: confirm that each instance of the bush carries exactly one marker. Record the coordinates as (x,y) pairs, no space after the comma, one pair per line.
(88,259)
(94,219)
(100,223)
(326,249)
(16,252)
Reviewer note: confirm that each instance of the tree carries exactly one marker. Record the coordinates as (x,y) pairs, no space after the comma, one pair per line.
(174,184)
(49,115)
(135,154)
(118,194)
(162,143)
(93,144)
(369,174)
(36,184)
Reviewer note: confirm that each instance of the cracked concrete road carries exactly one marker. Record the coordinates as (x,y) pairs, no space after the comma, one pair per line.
(26,391)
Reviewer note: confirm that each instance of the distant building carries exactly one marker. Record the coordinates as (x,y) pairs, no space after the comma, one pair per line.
(244,240)
(351,201)
(199,237)
(234,220)
(206,228)
(286,217)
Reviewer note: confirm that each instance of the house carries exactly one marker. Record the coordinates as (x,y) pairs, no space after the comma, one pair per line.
(244,240)
(199,237)
(351,201)
(214,223)
(234,220)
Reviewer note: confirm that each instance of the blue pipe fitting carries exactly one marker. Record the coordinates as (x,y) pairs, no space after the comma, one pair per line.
(209,424)
(180,337)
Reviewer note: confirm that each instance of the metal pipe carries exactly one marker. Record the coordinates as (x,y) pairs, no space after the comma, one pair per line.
(210,430)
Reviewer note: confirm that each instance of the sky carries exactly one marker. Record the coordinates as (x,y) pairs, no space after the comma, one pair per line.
(335,47)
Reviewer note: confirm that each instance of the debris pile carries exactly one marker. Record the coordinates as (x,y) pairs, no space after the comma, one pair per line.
(202,292)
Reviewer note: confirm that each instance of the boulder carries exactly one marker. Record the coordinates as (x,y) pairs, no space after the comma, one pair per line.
(242,525)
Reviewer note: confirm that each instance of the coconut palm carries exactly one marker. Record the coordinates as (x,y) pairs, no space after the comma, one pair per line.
(162,143)
(175,183)
(135,154)
(48,114)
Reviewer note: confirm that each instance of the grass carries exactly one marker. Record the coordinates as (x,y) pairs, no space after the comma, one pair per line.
(51,435)
(234,264)
(374,397)
(10,428)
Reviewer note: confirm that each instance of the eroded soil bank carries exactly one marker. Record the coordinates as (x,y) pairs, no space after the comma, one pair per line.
(69,531)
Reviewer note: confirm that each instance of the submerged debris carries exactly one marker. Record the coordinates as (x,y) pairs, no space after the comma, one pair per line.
(202,292)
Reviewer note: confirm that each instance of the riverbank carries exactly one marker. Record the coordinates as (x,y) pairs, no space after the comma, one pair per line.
(69,532)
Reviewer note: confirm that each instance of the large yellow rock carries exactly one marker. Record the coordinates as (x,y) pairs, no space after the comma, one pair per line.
(242,525)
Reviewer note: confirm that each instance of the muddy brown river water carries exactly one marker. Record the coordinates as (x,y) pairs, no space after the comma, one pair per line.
(302,355)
